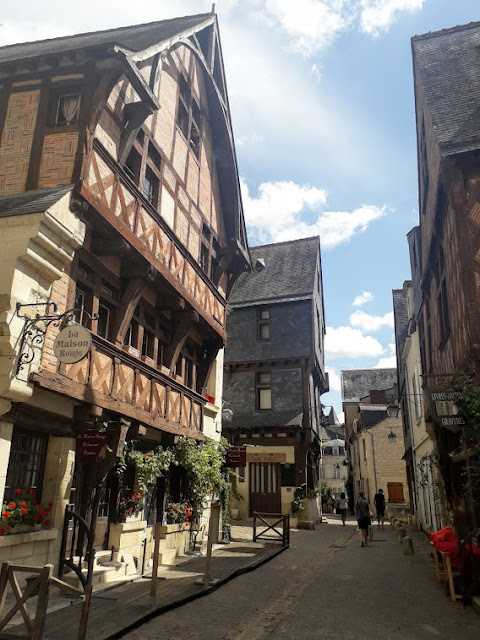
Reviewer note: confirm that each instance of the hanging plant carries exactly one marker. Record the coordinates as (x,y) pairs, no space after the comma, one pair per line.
(203,465)
(148,465)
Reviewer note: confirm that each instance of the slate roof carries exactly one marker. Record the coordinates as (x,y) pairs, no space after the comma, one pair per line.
(288,275)
(400,314)
(135,38)
(448,62)
(267,419)
(31,201)
(357,383)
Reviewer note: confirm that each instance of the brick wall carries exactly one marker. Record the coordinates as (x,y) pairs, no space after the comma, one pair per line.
(17,140)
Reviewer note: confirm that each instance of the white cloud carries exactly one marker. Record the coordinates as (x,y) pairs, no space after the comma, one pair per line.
(378,15)
(346,342)
(389,361)
(364,297)
(367,322)
(333,379)
(279,213)
(312,25)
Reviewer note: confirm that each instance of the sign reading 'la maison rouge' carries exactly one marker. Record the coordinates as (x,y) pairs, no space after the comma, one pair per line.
(72,344)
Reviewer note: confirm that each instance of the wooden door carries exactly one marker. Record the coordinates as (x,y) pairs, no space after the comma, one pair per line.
(395,492)
(264,487)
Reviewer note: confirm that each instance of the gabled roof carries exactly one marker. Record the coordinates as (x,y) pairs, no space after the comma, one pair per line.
(447,62)
(357,383)
(135,38)
(31,201)
(285,272)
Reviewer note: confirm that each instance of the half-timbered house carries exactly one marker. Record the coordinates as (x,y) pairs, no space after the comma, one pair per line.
(120,210)
(447,87)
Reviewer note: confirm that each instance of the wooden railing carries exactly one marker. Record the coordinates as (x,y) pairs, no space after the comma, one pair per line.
(283,535)
(117,381)
(117,199)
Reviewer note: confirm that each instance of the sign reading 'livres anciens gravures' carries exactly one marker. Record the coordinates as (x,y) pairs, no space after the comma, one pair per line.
(72,344)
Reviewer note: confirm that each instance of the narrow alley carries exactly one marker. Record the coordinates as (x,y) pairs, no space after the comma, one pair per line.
(326,586)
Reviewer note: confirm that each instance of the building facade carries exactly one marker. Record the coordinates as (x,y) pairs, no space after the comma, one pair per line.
(120,212)
(275,374)
(447,121)
(374,437)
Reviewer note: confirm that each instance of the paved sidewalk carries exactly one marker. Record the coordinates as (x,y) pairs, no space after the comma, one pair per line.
(130,604)
(327,587)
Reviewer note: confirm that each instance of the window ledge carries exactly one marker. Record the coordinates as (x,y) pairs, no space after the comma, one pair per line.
(22,538)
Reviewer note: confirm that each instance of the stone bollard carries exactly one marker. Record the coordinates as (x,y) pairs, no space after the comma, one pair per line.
(401,533)
(407,546)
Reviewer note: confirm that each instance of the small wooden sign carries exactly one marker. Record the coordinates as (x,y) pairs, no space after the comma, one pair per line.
(90,446)
(266,457)
(72,344)
(236,457)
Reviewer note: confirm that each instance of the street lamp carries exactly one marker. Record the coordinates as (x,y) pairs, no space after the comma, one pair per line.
(392,437)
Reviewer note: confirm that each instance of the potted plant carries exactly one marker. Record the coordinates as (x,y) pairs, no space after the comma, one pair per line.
(24,514)
(295,507)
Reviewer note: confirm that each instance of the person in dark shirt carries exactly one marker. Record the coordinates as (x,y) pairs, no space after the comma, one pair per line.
(362,513)
(379,502)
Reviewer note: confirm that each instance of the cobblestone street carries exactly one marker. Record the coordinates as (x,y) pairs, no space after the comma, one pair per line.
(326,586)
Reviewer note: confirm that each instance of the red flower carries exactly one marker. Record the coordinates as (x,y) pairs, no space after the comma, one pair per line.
(131,509)
(6,514)
(24,512)
(18,492)
(47,523)
(23,504)
(12,505)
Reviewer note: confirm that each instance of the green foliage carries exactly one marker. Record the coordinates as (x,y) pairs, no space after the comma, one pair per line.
(150,465)
(233,486)
(131,505)
(297,503)
(178,513)
(203,465)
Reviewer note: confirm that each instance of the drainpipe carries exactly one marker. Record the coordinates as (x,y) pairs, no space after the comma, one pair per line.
(374,461)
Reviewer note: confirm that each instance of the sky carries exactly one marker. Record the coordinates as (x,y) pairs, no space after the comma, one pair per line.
(321,96)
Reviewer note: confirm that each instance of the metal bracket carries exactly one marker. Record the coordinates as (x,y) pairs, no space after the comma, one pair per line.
(35,327)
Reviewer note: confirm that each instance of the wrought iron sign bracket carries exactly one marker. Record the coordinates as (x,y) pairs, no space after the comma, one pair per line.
(35,328)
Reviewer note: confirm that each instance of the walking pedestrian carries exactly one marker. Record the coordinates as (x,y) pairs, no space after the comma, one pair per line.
(342,506)
(379,502)
(362,513)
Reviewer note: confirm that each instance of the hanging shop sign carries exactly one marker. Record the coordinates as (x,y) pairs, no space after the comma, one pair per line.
(72,344)
(445,410)
(91,445)
(236,457)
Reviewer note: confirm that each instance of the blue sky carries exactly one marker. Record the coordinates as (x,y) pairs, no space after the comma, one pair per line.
(321,95)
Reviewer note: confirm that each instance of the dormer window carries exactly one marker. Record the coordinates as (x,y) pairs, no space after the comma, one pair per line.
(68,109)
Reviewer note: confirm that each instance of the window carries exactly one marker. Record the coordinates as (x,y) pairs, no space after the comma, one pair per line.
(68,109)
(264,391)
(263,323)
(442,297)
(189,116)
(26,466)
